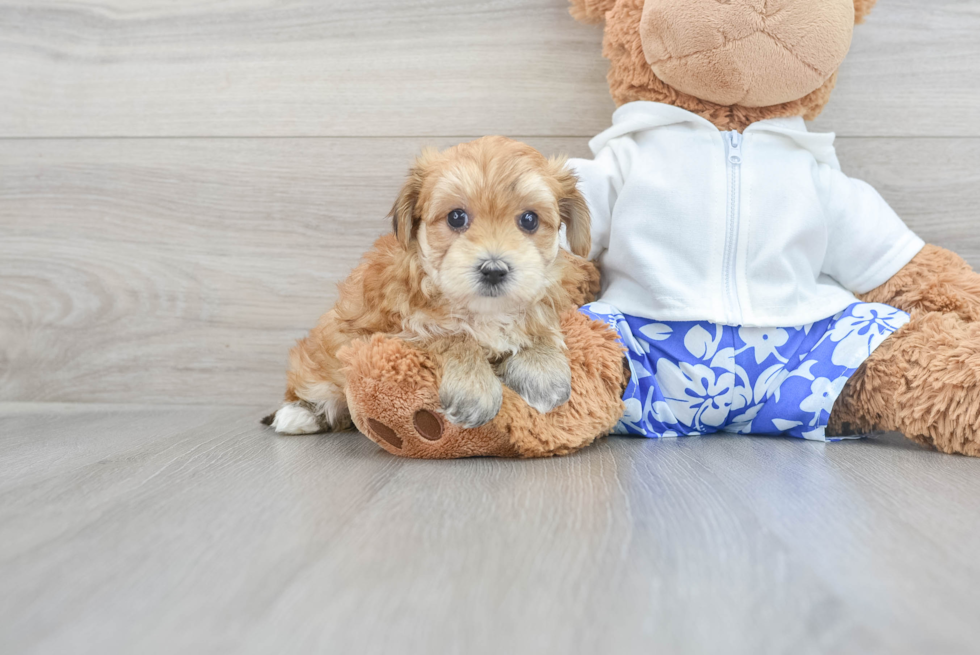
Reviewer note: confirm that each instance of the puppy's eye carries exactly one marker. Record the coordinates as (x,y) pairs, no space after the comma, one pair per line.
(528,221)
(457,219)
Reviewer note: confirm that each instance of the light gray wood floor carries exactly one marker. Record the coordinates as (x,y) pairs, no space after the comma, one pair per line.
(194,530)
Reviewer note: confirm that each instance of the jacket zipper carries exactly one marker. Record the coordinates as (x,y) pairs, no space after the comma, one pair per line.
(734,164)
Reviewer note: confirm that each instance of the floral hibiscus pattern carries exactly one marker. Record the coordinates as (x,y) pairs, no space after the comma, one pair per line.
(691,378)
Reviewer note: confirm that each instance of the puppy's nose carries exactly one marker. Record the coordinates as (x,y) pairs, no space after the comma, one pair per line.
(494,271)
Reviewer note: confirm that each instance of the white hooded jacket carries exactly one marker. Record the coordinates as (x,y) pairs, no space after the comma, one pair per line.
(757,229)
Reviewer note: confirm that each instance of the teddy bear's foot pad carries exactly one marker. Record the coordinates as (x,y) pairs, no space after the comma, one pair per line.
(427,424)
(424,434)
(383,432)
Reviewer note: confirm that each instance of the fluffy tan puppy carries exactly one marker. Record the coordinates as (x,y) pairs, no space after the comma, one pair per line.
(474,273)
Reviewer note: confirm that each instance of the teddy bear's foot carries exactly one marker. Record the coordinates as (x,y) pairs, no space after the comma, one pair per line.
(923,381)
(393,395)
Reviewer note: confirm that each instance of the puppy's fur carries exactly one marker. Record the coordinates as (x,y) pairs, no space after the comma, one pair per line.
(433,284)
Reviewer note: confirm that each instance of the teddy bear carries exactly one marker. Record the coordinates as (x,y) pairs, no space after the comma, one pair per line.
(748,285)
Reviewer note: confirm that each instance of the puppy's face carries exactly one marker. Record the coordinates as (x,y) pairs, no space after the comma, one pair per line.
(485,217)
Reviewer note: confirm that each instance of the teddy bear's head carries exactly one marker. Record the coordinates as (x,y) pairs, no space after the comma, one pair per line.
(732,61)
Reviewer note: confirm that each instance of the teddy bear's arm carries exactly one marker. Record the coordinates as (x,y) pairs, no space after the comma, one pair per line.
(936,280)
(591,11)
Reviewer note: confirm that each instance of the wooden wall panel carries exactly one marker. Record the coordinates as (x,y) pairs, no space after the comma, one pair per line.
(181,270)
(398,68)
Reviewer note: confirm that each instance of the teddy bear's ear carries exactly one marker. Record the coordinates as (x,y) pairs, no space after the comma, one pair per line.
(862,8)
(594,11)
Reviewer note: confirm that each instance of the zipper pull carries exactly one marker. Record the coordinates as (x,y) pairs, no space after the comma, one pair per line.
(735,151)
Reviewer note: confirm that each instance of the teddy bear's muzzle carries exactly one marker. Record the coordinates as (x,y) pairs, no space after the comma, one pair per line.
(754,53)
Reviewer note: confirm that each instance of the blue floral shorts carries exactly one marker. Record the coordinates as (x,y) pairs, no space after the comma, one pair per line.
(692,378)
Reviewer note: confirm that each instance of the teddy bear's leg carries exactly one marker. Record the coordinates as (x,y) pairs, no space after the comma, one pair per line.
(923,381)
(936,280)
(393,394)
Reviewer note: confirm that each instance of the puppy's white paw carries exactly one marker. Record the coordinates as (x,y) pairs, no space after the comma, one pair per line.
(293,418)
(471,400)
(541,376)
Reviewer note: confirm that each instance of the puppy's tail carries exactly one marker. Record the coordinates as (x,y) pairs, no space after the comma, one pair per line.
(270,418)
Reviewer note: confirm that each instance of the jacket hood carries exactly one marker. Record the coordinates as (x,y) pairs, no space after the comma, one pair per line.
(640,116)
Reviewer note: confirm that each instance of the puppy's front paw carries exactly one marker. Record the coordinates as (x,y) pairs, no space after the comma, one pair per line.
(541,376)
(470,399)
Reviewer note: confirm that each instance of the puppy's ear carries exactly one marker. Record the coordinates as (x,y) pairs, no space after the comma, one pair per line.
(573,208)
(405,212)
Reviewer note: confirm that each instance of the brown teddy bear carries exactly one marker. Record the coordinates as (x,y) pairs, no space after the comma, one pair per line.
(793,243)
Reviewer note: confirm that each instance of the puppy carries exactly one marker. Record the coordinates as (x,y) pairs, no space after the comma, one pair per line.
(472,272)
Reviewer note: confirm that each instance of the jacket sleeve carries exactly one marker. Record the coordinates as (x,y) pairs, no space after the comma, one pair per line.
(867,242)
(600,181)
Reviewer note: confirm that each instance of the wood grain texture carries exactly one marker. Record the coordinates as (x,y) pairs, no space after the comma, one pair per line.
(396,68)
(182,270)
(194,530)
(179,270)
